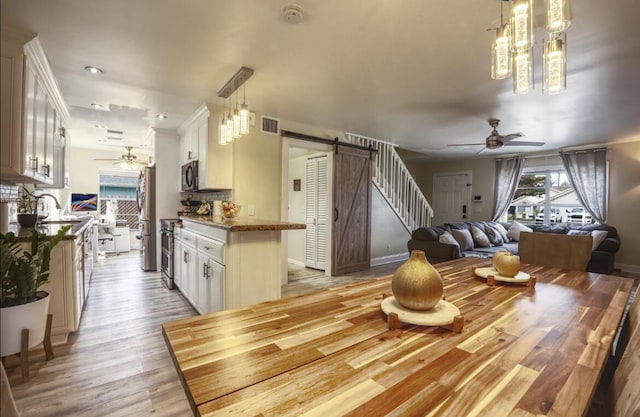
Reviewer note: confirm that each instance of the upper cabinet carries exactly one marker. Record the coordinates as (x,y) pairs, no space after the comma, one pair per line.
(34,117)
(199,141)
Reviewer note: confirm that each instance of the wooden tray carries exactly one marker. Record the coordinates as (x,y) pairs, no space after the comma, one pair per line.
(444,314)
(493,276)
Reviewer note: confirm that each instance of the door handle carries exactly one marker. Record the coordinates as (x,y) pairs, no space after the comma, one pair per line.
(205,271)
(335,214)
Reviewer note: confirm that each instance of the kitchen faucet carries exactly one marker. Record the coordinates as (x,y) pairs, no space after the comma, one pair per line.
(37,197)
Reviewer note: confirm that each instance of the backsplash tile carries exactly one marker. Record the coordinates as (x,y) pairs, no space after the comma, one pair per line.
(8,193)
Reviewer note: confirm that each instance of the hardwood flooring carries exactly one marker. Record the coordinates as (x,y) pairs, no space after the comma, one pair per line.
(117,364)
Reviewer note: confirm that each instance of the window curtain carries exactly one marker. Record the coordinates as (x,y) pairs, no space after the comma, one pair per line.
(508,172)
(587,172)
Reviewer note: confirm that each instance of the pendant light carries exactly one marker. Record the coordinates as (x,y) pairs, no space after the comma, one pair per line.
(229,126)
(555,64)
(521,25)
(236,120)
(501,51)
(244,113)
(523,71)
(222,130)
(558,15)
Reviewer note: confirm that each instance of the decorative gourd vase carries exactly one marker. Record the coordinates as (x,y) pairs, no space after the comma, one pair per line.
(416,284)
(27,220)
(506,263)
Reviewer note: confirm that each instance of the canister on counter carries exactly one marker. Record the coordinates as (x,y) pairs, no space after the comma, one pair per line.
(217,207)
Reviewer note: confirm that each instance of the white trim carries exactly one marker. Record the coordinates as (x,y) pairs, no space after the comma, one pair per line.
(382,260)
(202,111)
(635,269)
(296,262)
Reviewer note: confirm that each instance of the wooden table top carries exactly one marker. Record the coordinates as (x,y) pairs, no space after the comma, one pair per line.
(522,352)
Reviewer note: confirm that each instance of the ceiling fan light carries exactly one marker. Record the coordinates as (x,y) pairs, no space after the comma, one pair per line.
(554,64)
(558,15)
(501,53)
(521,25)
(523,71)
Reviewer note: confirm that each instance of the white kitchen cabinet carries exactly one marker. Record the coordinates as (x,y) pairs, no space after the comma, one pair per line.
(210,278)
(199,135)
(177,261)
(189,268)
(31,106)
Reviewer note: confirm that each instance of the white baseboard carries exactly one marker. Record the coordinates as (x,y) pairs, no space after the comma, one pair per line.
(628,268)
(296,262)
(382,260)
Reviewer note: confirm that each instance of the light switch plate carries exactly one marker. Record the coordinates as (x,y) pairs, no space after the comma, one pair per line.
(251,210)
(252,118)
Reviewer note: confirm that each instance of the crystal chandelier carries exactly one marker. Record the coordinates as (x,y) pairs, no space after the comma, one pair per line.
(512,48)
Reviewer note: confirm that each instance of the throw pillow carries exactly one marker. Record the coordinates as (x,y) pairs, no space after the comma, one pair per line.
(515,230)
(447,237)
(479,237)
(578,233)
(494,235)
(598,237)
(464,239)
(503,232)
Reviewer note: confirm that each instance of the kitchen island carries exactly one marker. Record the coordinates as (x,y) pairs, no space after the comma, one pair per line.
(522,351)
(224,263)
(70,271)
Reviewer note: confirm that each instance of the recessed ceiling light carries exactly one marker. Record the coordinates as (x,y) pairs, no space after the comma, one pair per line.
(97,106)
(101,126)
(161,116)
(93,70)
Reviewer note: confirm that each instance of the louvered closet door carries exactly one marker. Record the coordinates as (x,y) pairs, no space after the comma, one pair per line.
(317,190)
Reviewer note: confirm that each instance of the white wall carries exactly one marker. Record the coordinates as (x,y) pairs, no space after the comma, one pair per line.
(388,236)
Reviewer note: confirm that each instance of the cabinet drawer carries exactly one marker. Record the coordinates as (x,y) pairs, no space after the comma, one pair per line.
(188,238)
(213,248)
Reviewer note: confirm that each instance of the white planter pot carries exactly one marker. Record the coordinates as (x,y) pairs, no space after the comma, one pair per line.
(32,316)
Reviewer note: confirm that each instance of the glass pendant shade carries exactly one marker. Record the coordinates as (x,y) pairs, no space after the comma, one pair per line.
(555,64)
(501,54)
(229,125)
(244,119)
(236,124)
(521,25)
(558,15)
(523,71)
(222,131)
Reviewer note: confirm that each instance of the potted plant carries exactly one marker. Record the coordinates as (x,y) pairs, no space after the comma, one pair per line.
(23,271)
(27,208)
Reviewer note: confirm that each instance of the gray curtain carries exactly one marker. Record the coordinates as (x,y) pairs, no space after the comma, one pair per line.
(587,172)
(508,172)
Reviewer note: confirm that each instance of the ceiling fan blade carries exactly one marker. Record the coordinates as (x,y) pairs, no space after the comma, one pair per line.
(524,144)
(467,144)
(106,159)
(507,138)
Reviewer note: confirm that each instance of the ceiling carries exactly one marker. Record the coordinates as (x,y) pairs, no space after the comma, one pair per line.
(415,73)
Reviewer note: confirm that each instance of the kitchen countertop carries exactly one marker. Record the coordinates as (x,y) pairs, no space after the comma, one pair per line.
(24,234)
(244,224)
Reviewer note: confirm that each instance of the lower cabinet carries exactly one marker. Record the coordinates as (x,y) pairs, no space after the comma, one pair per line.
(189,273)
(210,279)
(177,261)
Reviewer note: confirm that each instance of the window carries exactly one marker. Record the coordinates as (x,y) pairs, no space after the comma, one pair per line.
(121,187)
(544,195)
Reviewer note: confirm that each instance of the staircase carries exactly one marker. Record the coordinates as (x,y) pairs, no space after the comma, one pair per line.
(392,178)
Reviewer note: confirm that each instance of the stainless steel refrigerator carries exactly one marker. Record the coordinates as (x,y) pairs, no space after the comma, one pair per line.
(147,210)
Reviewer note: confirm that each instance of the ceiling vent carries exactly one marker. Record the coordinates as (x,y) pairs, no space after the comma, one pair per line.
(113,138)
(292,13)
(115,132)
(269,125)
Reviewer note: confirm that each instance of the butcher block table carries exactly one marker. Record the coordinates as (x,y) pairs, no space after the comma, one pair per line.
(522,352)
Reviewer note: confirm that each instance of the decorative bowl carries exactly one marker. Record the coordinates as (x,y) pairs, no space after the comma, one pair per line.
(230,210)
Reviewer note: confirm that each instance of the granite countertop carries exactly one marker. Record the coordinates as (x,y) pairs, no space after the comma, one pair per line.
(244,224)
(50,229)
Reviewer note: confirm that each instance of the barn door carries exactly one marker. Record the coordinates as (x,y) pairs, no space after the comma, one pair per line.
(317,212)
(351,248)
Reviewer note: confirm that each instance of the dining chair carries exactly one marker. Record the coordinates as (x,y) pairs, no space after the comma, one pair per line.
(557,250)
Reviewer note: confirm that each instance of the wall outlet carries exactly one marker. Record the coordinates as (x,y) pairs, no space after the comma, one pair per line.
(251,210)
(252,118)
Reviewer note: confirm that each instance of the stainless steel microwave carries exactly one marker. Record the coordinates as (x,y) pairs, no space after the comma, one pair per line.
(190,176)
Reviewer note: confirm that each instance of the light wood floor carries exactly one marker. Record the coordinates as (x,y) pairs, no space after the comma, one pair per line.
(117,364)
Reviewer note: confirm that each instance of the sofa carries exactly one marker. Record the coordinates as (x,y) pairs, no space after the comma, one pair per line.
(438,246)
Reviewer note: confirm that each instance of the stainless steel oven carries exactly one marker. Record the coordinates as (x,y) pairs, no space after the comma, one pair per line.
(166,259)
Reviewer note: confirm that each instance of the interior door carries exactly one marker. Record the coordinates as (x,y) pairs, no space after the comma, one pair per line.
(451,197)
(317,212)
(351,246)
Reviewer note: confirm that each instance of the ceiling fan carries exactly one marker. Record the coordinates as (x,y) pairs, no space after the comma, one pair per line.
(127,161)
(496,141)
